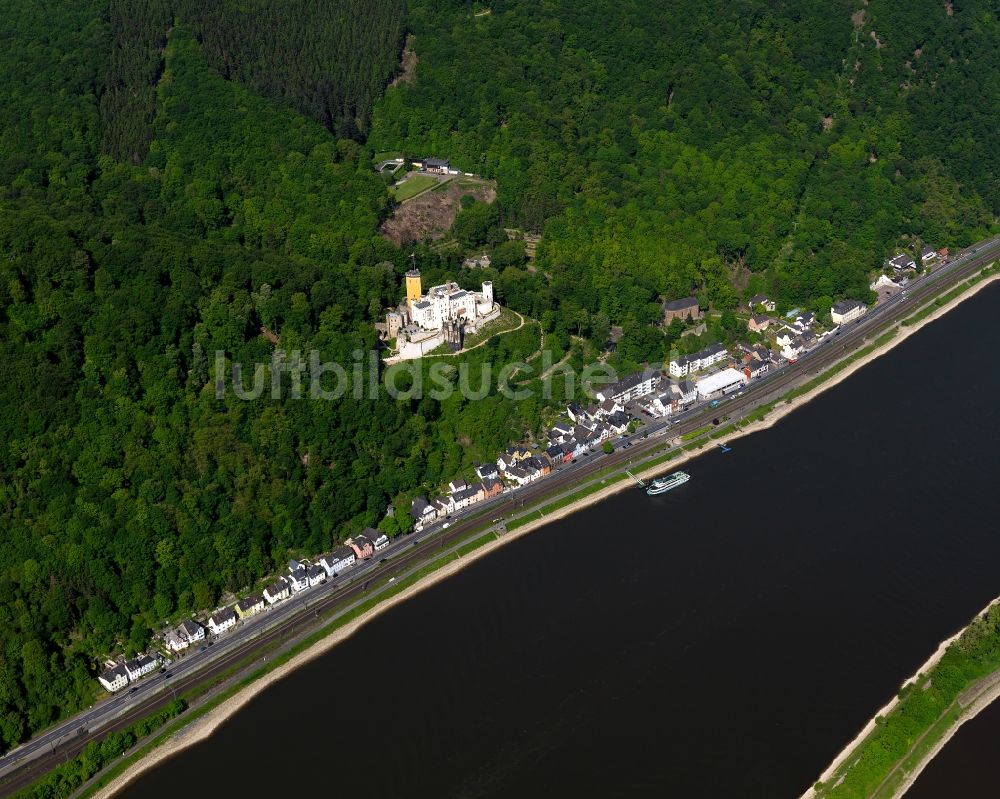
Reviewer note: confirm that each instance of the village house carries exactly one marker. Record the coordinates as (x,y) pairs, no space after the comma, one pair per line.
(315,574)
(618,421)
(114,679)
(684,309)
(555,454)
(277,591)
(458,484)
(478,493)
(755,368)
(250,606)
(492,487)
(421,512)
(901,262)
(758,324)
(140,666)
(540,465)
(578,448)
(609,407)
(462,499)
(221,620)
(443,506)
(485,470)
(363,548)
(785,337)
(762,300)
(847,311)
(379,539)
(803,322)
(703,359)
(297,578)
(793,348)
(185,634)
(561,430)
(341,558)
(629,388)
(518,475)
(437,165)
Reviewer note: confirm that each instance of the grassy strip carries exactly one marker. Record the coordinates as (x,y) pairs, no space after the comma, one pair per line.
(696,433)
(413,186)
(926,710)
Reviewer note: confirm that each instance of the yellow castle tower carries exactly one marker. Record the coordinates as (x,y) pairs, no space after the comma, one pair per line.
(413,288)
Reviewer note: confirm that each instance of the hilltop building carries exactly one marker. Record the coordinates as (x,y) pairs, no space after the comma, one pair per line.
(444,315)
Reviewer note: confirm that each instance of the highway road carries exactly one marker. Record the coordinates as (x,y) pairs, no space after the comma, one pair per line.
(287,620)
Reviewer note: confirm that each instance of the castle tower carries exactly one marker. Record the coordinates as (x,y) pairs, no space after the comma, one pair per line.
(488,294)
(413,288)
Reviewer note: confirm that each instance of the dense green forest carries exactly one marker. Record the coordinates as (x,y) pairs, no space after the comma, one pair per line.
(178,176)
(711,148)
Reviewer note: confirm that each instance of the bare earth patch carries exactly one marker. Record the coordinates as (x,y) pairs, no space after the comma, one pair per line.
(409,63)
(828,122)
(429,216)
(878,42)
(858,18)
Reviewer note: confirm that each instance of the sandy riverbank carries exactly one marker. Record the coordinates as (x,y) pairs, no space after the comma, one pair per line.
(204,727)
(905,332)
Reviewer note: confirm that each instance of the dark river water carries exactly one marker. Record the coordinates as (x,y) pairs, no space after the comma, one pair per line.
(723,640)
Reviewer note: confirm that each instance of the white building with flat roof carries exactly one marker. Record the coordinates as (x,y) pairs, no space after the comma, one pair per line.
(724,382)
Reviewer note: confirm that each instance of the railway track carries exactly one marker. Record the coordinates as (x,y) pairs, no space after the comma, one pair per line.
(422,551)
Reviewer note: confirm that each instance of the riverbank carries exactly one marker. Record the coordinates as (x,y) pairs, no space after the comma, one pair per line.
(203,727)
(834,769)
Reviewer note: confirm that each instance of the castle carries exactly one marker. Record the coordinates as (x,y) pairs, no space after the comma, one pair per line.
(423,322)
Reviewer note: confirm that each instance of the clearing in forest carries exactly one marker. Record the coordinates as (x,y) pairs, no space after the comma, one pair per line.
(430,216)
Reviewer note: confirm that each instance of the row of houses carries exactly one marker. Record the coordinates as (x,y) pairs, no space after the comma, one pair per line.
(579,431)
(118,675)
(301,576)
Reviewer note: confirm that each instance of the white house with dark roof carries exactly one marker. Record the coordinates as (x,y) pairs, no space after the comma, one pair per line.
(847,311)
(341,558)
(298,579)
(184,634)
(315,575)
(764,301)
(927,255)
(140,666)
(422,512)
(222,620)
(629,388)
(114,679)
(485,470)
(379,539)
(703,359)
(901,262)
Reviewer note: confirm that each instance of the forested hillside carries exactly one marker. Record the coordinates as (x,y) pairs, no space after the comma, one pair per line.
(181,177)
(676,147)
(127,491)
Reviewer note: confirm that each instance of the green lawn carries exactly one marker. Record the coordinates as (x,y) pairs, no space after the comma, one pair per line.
(414,186)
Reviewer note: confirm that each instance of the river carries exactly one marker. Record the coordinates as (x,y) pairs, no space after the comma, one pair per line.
(725,639)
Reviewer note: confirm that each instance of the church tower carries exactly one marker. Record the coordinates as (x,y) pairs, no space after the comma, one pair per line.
(413,288)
